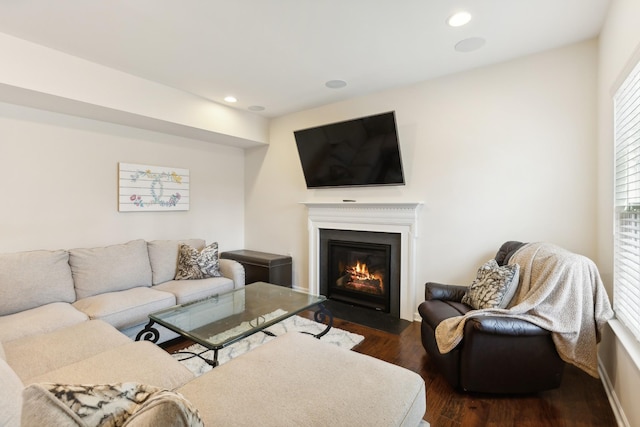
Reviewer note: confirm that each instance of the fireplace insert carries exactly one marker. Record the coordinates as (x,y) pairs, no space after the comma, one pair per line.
(361,268)
(359,273)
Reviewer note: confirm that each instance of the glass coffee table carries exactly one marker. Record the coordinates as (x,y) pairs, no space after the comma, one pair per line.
(221,320)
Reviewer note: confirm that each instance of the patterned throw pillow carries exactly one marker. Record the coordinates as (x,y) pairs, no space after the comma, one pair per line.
(194,264)
(107,405)
(494,286)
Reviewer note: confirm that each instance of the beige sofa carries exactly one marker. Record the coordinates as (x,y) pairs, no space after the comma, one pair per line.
(120,284)
(61,344)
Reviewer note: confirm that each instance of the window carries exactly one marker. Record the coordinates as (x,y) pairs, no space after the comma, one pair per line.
(626,287)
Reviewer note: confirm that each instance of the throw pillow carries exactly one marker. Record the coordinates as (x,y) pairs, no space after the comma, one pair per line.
(166,408)
(494,286)
(194,264)
(106,405)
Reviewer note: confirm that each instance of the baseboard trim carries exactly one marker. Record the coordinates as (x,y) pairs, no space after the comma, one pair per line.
(618,412)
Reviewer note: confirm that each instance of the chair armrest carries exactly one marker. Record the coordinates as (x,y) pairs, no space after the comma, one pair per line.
(444,292)
(504,326)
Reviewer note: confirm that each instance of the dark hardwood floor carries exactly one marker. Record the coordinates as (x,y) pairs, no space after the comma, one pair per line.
(579,402)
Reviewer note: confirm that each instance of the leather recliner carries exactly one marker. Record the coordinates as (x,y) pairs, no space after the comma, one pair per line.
(497,354)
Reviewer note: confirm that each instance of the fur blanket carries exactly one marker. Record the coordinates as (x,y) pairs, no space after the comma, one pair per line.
(559,291)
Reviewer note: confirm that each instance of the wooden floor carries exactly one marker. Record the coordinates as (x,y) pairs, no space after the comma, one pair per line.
(580,401)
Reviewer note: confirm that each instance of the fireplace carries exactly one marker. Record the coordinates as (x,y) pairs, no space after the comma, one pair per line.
(386,217)
(361,268)
(358,273)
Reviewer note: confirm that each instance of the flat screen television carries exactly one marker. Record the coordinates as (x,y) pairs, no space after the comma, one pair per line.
(358,152)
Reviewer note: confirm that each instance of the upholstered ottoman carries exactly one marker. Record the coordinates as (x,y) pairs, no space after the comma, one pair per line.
(297,380)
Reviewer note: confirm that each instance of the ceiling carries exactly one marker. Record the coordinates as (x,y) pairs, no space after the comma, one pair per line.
(278,54)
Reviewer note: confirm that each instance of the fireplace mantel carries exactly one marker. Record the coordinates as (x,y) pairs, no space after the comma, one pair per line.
(387,217)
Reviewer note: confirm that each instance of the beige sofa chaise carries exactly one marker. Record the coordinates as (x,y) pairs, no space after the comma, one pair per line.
(59,341)
(293,380)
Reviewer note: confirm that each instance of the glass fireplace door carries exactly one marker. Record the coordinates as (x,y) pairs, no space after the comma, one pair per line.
(359,273)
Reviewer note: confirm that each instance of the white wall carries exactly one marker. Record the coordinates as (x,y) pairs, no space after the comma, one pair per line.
(58,187)
(619,48)
(506,152)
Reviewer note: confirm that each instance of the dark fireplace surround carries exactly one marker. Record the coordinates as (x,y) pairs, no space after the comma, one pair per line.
(361,268)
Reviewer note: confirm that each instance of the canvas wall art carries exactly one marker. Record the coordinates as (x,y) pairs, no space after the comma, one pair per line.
(152,188)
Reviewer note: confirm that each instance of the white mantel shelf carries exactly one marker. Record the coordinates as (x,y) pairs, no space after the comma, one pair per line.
(366,212)
(392,217)
(372,205)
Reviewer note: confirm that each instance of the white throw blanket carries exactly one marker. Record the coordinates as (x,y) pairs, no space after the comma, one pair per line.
(559,291)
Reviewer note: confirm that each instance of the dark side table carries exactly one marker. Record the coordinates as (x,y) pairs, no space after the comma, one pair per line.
(262,266)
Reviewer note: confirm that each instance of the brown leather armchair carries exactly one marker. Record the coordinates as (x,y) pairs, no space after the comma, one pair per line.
(496,354)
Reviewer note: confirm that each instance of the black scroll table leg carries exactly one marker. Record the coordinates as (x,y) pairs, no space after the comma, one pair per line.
(190,355)
(149,333)
(213,363)
(321,315)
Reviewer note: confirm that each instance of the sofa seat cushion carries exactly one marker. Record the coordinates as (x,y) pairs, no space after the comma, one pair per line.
(191,290)
(310,383)
(35,278)
(110,268)
(34,355)
(139,361)
(39,320)
(127,308)
(163,255)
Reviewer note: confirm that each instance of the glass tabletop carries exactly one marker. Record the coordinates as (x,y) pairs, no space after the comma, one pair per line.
(225,318)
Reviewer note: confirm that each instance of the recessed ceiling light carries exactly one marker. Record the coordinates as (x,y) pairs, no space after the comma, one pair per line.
(230,98)
(335,84)
(459,19)
(256,108)
(470,44)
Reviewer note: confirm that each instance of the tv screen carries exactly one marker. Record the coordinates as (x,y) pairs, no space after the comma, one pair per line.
(357,152)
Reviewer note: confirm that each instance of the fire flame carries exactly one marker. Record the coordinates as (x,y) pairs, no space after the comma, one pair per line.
(361,272)
(362,279)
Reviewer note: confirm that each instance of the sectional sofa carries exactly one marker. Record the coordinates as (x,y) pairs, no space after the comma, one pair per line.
(68,357)
(120,284)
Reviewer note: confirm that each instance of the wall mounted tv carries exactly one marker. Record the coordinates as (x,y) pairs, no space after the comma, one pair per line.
(358,152)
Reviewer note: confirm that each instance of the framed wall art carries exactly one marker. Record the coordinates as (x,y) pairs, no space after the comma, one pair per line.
(152,188)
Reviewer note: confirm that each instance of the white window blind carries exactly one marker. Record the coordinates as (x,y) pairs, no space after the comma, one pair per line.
(626,286)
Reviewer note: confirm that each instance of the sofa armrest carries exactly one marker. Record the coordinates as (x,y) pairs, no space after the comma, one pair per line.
(444,292)
(232,270)
(505,326)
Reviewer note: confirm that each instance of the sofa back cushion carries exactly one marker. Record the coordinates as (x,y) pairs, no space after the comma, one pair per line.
(110,268)
(163,255)
(34,278)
